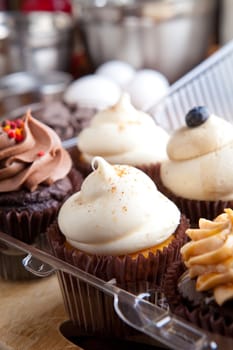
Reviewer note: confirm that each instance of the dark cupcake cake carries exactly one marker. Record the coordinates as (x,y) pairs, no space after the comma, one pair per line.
(24,214)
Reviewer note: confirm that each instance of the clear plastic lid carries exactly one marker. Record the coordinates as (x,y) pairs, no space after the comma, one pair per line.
(140,314)
(210,84)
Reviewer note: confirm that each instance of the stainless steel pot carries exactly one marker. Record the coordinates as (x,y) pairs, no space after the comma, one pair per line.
(23,88)
(36,41)
(171,36)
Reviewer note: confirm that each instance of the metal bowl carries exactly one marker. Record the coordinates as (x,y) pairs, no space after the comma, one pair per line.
(23,88)
(35,41)
(171,36)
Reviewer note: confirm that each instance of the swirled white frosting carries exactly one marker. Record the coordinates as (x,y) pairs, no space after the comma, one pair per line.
(200,164)
(122,134)
(117,211)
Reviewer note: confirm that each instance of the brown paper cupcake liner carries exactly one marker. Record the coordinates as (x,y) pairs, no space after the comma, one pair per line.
(89,308)
(83,302)
(26,226)
(192,209)
(202,317)
(152,170)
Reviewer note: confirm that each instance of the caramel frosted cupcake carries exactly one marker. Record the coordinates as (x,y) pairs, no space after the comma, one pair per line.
(36,176)
(124,135)
(200,288)
(119,226)
(198,176)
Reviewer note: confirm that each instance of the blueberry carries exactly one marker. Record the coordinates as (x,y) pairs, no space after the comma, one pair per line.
(196,116)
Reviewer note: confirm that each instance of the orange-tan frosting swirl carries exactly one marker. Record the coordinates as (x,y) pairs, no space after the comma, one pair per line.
(30,154)
(209,255)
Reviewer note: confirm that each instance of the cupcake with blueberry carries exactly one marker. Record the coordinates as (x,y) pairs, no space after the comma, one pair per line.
(200,287)
(36,176)
(198,176)
(120,228)
(124,135)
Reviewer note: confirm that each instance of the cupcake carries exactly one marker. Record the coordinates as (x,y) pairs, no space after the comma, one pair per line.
(198,176)
(82,99)
(124,135)
(36,176)
(117,227)
(92,91)
(67,121)
(199,288)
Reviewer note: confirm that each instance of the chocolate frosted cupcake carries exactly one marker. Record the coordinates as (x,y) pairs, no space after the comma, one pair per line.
(36,176)
(124,135)
(67,121)
(117,227)
(81,100)
(200,287)
(198,176)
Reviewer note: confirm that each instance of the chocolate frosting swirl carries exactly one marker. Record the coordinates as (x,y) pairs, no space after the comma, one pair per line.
(37,158)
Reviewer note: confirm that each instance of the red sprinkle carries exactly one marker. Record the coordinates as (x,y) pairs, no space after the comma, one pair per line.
(41,154)
(14,129)
(11,134)
(13,125)
(19,138)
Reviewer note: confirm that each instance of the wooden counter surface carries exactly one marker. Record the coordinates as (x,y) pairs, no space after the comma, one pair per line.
(30,316)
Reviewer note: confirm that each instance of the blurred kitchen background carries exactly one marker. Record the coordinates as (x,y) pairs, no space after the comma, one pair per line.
(46,44)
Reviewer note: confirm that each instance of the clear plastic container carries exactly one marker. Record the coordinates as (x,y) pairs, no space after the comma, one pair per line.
(209,84)
(134,310)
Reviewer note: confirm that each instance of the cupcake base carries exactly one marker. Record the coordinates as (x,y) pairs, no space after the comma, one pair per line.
(129,272)
(29,222)
(24,215)
(141,274)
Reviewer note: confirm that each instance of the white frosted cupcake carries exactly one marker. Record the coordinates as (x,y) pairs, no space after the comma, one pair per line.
(124,135)
(198,176)
(118,226)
